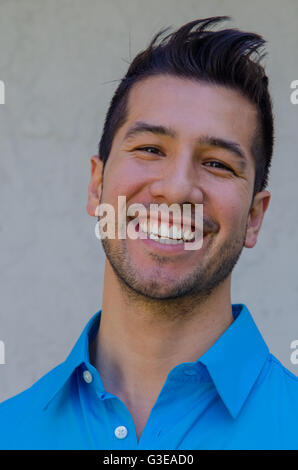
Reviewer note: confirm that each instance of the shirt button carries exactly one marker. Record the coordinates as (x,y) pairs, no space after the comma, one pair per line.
(121,432)
(87,376)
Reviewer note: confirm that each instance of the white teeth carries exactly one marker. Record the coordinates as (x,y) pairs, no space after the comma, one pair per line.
(187,234)
(164,230)
(169,241)
(175,232)
(166,234)
(153,236)
(153,227)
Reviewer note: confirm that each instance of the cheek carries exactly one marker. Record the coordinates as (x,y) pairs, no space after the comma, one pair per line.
(124,179)
(230,211)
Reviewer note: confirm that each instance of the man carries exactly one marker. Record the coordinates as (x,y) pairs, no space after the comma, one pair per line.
(168,362)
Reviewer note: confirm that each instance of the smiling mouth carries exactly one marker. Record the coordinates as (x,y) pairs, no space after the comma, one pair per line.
(170,245)
(159,235)
(172,232)
(169,227)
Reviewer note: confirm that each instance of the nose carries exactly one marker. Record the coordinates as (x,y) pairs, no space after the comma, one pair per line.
(179,183)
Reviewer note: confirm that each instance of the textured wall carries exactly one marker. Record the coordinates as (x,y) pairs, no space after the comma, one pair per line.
(60,61)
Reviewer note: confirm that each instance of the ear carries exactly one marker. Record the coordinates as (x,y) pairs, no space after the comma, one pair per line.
(95,185)
(255,218)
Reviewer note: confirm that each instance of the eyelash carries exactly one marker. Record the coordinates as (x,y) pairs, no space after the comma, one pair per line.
(145,149)
(221,165)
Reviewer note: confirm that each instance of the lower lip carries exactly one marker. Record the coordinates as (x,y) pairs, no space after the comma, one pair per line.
(164,247)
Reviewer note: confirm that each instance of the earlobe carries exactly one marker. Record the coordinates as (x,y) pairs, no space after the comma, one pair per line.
(255,218)
(95,185)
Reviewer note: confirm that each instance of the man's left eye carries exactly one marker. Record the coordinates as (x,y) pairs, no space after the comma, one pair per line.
(215,164)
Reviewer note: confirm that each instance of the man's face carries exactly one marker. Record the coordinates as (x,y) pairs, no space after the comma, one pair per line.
(178,165)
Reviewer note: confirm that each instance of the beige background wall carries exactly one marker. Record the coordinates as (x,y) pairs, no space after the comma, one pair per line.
(60,61)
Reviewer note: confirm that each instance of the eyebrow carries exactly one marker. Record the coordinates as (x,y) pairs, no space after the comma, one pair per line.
(140,127)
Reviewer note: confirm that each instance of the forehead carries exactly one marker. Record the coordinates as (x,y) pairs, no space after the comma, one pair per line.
(191,108)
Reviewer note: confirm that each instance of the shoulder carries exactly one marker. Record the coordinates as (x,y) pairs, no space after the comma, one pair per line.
(277,371)
(18,413)
(279,387)
(37,391)
(269,416)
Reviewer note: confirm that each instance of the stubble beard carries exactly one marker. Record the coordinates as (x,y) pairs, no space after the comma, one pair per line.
(161,294)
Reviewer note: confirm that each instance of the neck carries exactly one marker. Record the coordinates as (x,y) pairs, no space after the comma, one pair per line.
(139,342)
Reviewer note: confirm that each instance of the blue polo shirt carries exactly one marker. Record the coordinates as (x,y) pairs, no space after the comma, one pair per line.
(235,396)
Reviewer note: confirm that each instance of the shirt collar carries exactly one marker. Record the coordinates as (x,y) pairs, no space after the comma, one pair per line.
(234,361)
(78,355)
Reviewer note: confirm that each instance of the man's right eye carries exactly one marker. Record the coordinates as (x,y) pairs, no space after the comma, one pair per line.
(148,149)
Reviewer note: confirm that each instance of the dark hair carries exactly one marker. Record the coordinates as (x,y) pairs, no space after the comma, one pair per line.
(218,57)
